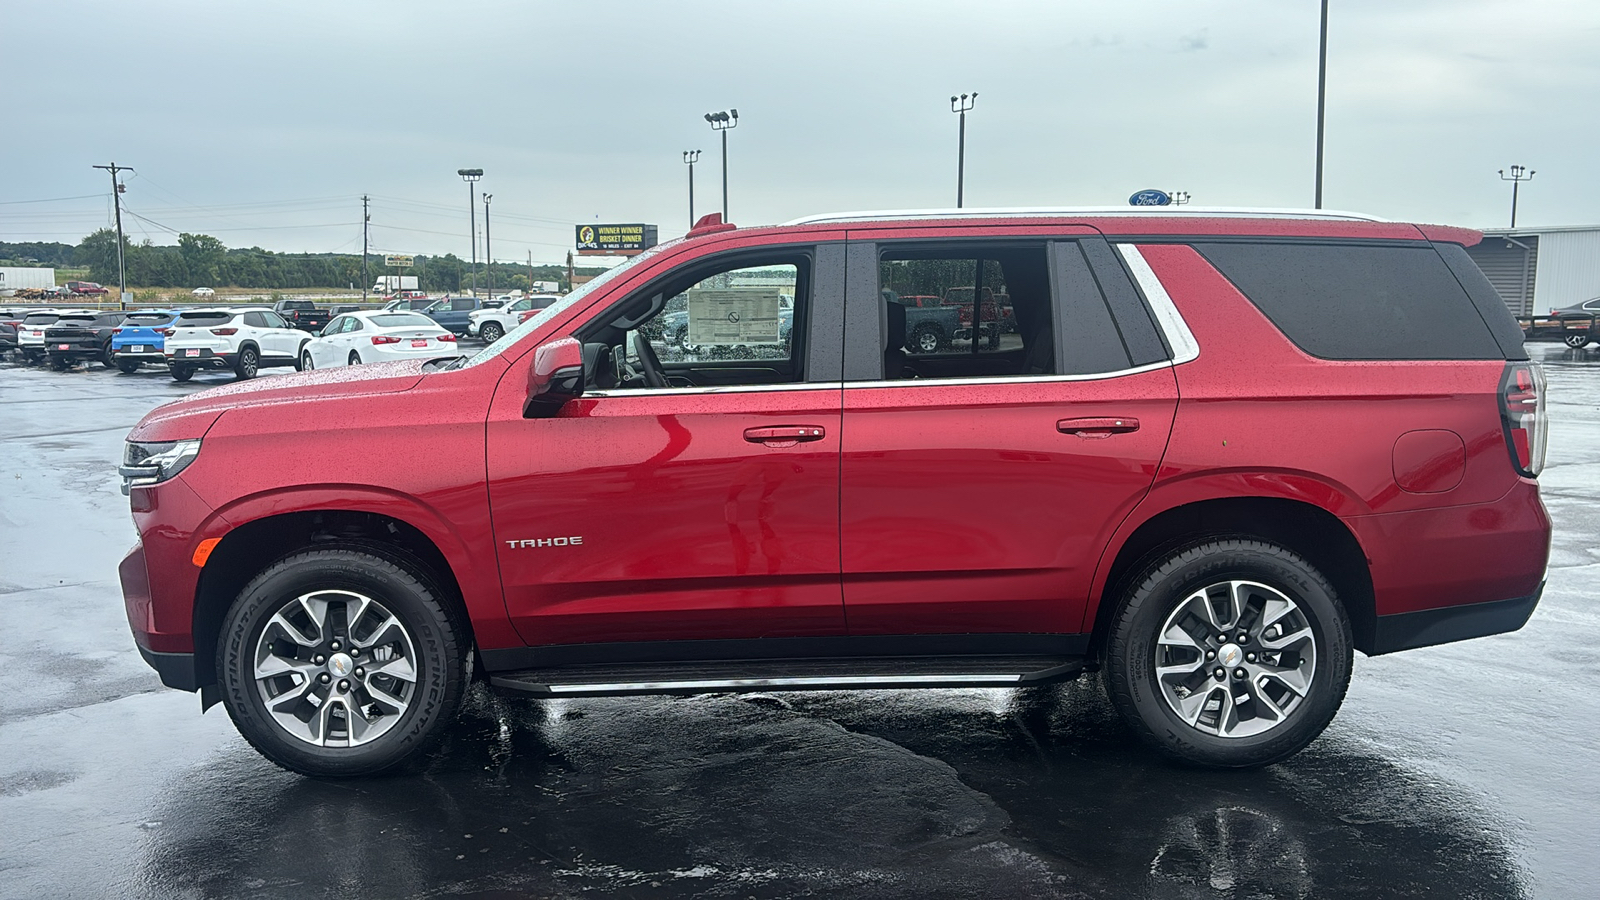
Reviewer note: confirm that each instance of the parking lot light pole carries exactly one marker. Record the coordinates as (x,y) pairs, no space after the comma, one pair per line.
(962,105)
(1322,91)
(691,157)
(471,176)
(1518,175)
(488,257)
(723,122)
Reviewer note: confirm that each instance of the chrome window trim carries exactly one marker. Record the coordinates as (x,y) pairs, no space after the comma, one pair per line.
(1184,347)
(901,383)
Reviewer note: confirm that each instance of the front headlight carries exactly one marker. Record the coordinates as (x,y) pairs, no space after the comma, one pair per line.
(147,464)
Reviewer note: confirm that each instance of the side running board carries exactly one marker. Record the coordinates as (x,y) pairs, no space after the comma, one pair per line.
(787,675)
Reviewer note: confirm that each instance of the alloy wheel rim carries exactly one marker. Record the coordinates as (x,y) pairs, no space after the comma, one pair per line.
(1235,659)
(335,668)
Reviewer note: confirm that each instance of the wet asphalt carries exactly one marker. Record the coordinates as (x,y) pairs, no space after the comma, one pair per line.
(1467,770)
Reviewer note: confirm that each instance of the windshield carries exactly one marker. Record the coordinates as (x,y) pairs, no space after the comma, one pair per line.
(560,306)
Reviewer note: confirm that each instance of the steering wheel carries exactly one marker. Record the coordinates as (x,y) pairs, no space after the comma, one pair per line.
(649,363)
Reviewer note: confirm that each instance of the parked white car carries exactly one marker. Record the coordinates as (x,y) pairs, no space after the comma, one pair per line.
(377,336)
(30,332)
(203,293)
(244,339)
(491,324)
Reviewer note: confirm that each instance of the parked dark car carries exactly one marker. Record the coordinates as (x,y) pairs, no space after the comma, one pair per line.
(77,337)
(930,322)
(303,314)
(8,339)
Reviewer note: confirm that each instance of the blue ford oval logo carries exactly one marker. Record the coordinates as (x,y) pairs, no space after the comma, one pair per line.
(1149,198)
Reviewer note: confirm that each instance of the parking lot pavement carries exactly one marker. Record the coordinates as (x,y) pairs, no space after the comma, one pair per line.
(1458,771)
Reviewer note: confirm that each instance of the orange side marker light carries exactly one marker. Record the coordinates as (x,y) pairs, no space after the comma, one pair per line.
(203,552)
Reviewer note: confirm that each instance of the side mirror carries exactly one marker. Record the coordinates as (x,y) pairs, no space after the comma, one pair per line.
(555,377)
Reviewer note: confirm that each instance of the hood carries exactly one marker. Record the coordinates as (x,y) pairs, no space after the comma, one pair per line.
(194,415)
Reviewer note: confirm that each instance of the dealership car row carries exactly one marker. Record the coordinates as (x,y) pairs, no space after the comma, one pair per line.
(245,339)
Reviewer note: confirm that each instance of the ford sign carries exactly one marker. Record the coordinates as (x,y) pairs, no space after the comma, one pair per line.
(1150,197)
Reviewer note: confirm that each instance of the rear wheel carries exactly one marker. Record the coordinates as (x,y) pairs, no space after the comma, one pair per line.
(249,362)
(341,662)
(180,373)
(60,363)
(355,359)
(491,332)
(1230,653)
(106,359)
(1576,341)
(128,366)
(927,338)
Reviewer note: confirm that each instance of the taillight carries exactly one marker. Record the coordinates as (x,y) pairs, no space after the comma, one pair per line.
(116,331)
(1522,412)
(446,339)
(384,339)
(164,332)
(224,332)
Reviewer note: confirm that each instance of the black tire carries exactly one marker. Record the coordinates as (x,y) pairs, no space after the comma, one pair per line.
(307,364)
(1158,592)
(248,363)
(1576,341)
(927,338)
(441,663)
(106,359)
(128,366)
(59,363)
(180,373)
(491,332)
(354,360)
(994,337)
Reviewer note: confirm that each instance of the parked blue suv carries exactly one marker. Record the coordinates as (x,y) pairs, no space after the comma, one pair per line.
(141,339)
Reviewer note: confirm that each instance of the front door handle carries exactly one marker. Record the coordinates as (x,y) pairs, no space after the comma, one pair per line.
(784,435)
(1098,427)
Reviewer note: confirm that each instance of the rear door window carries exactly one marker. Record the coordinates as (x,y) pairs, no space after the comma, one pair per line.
(1353,301)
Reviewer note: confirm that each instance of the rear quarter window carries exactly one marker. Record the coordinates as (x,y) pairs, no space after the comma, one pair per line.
(1349,301)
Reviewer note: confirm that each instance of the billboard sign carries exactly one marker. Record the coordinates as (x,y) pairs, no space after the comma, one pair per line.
(399,260)
(615,240)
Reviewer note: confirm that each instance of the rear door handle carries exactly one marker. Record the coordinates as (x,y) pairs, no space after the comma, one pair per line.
(784,435)
(1098,427)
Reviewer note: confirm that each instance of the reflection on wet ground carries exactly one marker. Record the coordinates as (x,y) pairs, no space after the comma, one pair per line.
(932,794)
(1460,771)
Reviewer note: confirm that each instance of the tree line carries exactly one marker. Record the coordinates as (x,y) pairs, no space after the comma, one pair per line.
(200,260)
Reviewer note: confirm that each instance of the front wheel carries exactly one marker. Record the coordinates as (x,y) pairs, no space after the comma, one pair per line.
(306,362)
(1576,341)
(491,332)
(354,360)
(1231,653)
(341,662)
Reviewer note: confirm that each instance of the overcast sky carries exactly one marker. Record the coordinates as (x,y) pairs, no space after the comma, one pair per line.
(264,123)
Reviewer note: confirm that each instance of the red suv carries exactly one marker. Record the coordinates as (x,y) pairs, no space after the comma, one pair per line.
(1219,453)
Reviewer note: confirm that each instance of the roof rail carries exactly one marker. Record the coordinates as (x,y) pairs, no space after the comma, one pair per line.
(1233,212)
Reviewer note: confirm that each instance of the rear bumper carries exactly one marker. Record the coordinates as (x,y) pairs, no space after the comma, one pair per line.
(1407,631)
(208,361)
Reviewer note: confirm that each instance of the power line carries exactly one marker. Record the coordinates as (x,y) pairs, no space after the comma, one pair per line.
(52,199)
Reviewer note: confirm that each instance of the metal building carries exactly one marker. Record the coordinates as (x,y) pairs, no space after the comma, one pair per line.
(1540,269)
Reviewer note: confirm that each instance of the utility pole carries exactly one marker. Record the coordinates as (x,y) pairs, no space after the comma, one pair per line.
(530,273)
(471,176)
(723,122)
(116,197)
(1322,90)
(1518,175)
(488,258)
(962,104)
(365,279)
(691,157)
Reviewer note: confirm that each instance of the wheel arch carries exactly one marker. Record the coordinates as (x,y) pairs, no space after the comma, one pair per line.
(250,547)
(1305,528)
